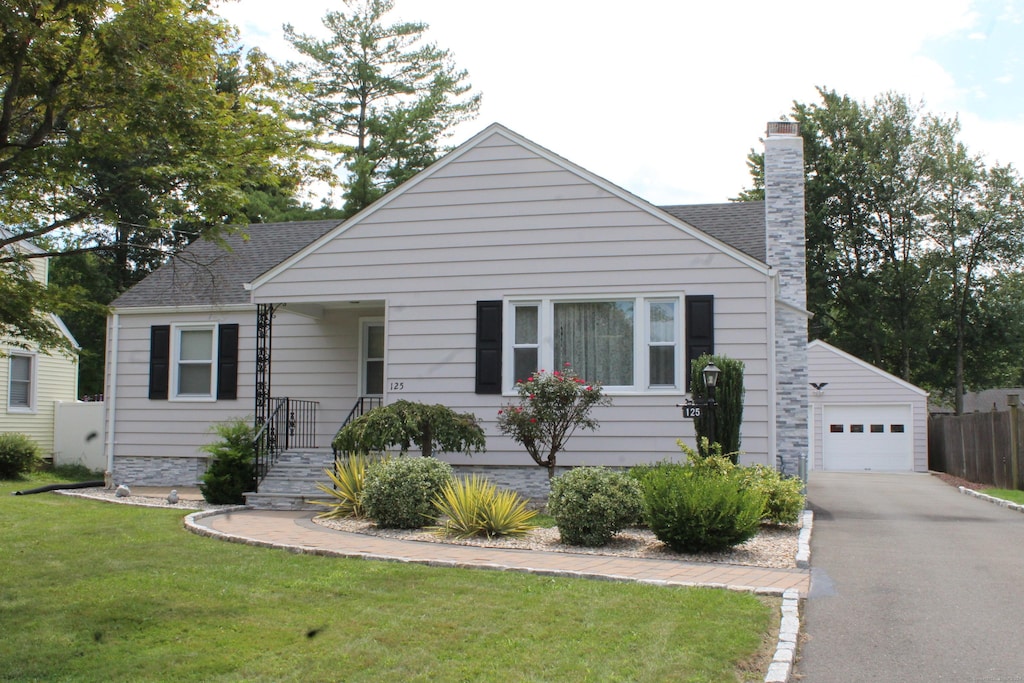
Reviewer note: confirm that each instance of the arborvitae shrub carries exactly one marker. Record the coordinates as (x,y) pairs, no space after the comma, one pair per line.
(592,504)
(399,492)
(18,455)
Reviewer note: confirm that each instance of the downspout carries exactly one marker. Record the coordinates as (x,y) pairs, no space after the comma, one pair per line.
(110,399)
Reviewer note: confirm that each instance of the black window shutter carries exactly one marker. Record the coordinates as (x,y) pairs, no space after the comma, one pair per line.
(488,347)
(159,361)
(227,362)
(700,329)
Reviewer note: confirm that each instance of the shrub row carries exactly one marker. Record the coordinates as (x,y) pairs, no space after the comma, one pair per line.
(412,492)
(708,504)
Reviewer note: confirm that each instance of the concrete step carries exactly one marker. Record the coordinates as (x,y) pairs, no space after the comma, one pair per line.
(291,482)
(285,501)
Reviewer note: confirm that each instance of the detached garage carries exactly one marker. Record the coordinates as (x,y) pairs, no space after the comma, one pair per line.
(862,418)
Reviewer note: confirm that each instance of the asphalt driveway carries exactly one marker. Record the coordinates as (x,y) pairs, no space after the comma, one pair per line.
(911,581)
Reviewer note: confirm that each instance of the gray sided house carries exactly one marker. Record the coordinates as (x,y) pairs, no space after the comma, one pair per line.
(499,259)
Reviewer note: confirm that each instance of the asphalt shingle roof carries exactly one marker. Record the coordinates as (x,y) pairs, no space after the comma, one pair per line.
(207,274)
(738,224)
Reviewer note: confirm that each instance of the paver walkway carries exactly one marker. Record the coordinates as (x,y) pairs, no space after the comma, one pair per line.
(296,531)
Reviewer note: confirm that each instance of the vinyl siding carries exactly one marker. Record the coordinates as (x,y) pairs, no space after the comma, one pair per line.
(312,360)
(56,379)
(851,383)
(501,221)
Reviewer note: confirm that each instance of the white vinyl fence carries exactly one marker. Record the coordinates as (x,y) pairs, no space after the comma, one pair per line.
(78,434)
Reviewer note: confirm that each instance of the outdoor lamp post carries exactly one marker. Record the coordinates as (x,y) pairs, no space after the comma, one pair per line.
(711,373)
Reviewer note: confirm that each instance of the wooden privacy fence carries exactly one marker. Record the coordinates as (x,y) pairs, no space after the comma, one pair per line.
(981,447)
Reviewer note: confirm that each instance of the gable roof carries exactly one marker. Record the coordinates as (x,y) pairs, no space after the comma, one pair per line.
(206,273)
(825,346)
(565,164)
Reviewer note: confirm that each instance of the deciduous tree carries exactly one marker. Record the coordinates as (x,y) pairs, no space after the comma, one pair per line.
(115,126)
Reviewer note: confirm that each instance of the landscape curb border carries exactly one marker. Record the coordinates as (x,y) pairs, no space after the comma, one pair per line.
(1017,507)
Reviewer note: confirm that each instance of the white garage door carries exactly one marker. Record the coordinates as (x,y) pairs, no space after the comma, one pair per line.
(876,438)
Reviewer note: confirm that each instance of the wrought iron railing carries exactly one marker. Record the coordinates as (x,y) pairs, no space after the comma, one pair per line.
(363,405)
(291,424)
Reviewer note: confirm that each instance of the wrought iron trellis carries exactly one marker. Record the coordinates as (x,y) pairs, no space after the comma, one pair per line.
(264,344)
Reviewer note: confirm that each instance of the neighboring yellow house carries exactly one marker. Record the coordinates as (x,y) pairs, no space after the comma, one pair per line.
(32,382)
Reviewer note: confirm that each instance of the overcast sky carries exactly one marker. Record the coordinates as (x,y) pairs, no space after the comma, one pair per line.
(666,97)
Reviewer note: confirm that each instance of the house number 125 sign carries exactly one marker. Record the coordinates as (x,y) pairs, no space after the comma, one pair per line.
(692,411)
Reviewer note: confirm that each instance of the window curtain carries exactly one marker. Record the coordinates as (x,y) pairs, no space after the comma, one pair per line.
(596,338)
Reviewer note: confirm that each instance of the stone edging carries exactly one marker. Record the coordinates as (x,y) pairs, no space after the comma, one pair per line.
(779,670)
(781,667)
(992,499)
(789,633)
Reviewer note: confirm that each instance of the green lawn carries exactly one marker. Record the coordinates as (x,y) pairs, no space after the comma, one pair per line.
(1006,494)
(92,591)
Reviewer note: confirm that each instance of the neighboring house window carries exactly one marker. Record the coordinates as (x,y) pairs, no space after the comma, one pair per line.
(627,343)
(193,362)
(21,389)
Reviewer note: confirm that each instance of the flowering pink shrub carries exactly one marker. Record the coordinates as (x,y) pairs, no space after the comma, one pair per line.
(550,408)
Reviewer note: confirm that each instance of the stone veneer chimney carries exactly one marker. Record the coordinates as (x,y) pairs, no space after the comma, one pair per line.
(785,243)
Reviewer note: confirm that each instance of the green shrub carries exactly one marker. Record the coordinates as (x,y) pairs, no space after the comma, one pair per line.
(399,492)
(18,455)
(783,497)
(229,474)
(404,423)
(695,512)
(475,507)
(728,410)
(348,478)
(592,504)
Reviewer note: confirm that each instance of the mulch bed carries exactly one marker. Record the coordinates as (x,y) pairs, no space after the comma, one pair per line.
(957,481)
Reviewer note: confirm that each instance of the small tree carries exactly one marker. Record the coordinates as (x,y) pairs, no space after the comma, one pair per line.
(728,410)
(551,407)
(403,423)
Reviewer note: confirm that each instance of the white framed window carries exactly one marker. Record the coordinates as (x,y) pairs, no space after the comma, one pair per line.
(21,387)
(193,362)
(627,343)
(371,352)
(663,346)
(525,339)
